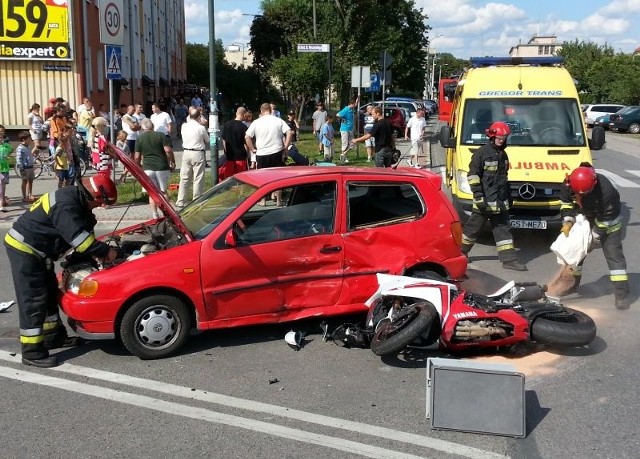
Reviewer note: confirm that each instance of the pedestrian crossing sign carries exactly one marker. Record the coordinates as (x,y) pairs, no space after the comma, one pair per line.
(113,58)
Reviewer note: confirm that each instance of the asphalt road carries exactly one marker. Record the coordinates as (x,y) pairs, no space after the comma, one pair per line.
(245,393)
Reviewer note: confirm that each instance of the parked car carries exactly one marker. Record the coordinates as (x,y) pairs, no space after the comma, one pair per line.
(409,104)
(627,119)
(398,117)
(603,121)
(593,111)
(234,258)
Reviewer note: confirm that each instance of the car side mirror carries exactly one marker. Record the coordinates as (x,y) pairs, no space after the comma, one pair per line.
(597,140)
(445,137)
(230,238)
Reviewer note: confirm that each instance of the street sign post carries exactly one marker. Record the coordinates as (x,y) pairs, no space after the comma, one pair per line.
(319,48)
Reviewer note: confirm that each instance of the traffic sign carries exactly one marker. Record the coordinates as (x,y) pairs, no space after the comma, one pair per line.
(113,56)
(386,60)
(111,22)
(314,47)
(374,86)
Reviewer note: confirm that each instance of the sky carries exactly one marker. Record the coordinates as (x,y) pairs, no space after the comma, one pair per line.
(461,27)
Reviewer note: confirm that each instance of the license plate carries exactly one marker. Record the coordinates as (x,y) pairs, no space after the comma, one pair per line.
(529,224)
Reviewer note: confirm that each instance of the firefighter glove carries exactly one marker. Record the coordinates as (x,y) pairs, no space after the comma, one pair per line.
(566,227)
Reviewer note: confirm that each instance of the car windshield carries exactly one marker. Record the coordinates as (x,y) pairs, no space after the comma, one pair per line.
(627,110)
(553,122)
(205,213)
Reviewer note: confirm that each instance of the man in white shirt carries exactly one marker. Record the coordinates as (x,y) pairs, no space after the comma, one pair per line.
(194,143)
(131,126)
(417,124)
(161,120)
(273,137)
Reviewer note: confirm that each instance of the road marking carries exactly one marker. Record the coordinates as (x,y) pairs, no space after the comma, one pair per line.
(260,407)
(635,173)
(203,414)
(619,181)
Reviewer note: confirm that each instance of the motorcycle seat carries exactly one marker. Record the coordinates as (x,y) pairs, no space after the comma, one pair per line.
(508,286)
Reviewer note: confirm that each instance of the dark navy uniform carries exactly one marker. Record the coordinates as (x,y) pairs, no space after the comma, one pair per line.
(602,208)
(488,181)
(57,221)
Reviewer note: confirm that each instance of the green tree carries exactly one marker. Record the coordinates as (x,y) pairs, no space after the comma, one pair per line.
(358,30)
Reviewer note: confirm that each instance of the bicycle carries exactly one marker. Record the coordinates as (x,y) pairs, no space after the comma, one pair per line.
(44,162)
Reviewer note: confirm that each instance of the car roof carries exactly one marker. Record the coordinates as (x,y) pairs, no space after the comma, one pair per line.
(262,177)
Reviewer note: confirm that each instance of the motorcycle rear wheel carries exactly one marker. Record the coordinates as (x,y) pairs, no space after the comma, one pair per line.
(569,328)
(392,337)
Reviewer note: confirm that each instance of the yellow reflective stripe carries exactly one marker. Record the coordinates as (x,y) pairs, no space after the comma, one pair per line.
(491,168)
(49,326)
(614,228)
(500,248)
(619,278)
(31,339)
(19,245)
(85,245)
(566,206)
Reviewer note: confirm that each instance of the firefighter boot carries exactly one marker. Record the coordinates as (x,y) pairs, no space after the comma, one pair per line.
(621,293)
(515,265)
(36,355)
(44,362)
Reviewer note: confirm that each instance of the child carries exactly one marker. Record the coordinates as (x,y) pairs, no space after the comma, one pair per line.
(25,161)
(5,151)
(326,136)
(63,154)
(121,143)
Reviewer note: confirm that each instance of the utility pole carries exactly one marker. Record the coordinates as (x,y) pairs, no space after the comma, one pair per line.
(214,127)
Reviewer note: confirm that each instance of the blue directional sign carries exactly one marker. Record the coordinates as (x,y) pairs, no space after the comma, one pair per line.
(375,83)
(113,58)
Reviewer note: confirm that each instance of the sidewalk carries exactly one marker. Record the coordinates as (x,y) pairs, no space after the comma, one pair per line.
(107,218)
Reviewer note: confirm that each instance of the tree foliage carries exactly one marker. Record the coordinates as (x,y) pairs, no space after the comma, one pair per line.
(357,30)
(602,76)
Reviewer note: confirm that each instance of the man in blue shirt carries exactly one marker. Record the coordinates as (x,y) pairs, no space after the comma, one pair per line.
(346,117)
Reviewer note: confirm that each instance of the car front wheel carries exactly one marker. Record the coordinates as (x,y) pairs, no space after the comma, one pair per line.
(155,327)
(634,128)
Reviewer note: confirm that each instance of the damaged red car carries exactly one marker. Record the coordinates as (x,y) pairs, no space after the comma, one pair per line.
(263,246)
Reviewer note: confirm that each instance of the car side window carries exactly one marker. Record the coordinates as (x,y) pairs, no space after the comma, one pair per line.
(380,204)
(291,212)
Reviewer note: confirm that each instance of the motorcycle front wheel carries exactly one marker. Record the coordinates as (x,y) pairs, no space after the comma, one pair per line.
(392,336)
(569,328)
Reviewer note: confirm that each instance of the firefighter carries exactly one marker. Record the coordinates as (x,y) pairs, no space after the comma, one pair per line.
(593,195)
(57,221)
(491,196)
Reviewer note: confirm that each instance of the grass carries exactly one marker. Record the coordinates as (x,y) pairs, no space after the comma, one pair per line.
(307,145)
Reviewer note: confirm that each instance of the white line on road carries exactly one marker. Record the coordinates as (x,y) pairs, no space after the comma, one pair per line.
(635,173)
(202,414)
(619,181)
(249,405)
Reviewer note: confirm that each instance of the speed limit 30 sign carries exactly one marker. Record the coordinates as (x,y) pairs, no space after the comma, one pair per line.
(111,22)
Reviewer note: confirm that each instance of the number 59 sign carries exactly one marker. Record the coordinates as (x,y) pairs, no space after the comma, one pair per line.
(35,29)
(111,26)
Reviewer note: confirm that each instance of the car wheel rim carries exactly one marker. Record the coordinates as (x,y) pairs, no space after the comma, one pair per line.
(157,327)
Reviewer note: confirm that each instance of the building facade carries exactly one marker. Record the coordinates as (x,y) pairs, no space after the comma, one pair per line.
(538,45)
(63,56)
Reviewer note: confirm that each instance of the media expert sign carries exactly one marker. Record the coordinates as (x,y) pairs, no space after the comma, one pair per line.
(35,29)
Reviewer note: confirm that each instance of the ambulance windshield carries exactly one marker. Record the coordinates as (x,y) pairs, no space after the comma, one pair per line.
(533,122)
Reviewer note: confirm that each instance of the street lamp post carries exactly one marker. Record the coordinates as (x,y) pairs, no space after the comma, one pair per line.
(430,75)
(214,127)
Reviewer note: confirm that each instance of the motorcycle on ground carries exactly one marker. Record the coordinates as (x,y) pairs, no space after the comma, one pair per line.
(404,309)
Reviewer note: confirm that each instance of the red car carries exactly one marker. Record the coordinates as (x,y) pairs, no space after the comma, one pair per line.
(237,257)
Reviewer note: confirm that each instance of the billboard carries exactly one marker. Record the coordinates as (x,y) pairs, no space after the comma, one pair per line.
(35,29)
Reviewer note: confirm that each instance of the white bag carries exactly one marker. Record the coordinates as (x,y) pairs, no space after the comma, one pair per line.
(571,250)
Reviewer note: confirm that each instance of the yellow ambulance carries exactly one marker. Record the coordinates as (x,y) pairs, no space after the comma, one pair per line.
(537,98)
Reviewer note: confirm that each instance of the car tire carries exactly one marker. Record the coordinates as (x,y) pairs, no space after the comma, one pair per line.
(634,128)
(156,326)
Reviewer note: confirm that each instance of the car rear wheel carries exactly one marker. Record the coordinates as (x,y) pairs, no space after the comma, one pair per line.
(155,327)
(634,128)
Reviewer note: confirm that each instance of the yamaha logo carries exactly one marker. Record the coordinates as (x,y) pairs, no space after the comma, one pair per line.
(527,191)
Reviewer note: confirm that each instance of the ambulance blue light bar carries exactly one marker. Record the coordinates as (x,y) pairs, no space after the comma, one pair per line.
(489,61)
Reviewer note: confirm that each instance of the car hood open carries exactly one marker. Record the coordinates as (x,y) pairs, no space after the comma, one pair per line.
(152,190)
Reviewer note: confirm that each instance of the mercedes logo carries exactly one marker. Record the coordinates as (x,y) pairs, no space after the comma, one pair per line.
(527,191)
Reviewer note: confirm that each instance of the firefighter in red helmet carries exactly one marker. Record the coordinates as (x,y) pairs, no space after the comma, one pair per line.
(594,196)
(491,196)
(56,222)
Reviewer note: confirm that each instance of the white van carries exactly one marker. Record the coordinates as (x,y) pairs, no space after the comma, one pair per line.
(593,111)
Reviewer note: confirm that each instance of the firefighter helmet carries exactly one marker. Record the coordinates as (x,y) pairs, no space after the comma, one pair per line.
(101,188)
(498,128)
(583,179)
